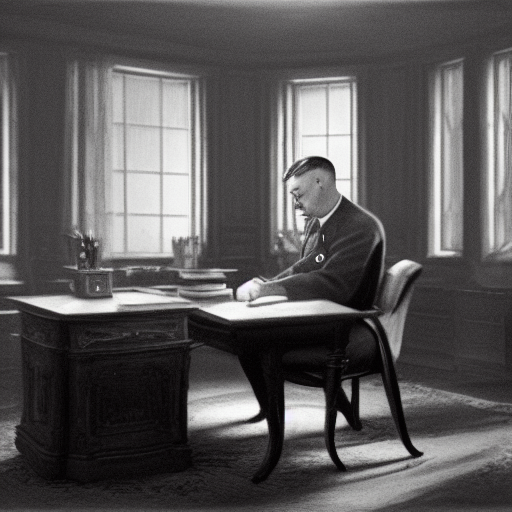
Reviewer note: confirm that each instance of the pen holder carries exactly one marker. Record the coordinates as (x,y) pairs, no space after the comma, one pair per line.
(186,252)
(89,284)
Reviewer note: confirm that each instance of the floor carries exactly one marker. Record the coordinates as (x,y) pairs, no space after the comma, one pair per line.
(497,390)
(467,463)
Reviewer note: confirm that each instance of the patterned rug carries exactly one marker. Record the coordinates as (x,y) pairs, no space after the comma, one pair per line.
(467,461)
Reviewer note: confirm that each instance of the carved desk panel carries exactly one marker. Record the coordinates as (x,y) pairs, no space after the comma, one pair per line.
(105,394)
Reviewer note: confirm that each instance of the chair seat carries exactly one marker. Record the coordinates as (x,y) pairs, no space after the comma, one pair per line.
(362,353)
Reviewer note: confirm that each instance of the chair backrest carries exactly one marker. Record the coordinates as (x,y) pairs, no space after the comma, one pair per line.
(394,299)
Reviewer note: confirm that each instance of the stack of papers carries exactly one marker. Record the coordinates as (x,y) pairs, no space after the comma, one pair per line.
(133,300)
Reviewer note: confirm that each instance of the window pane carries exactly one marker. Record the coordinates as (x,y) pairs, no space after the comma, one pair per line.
(446,185)
(152,155)
(176,104)
(118,192)
(8,156)
(4,157)
(143,149)
(345,187)
(340,149)
(503,186)
(174,227)
(142,100)
(319,119)
(176,195)
(499,182)
(118,234)
(312,110)
(143,193)
(313,146)
(143,234)
(451,232)
(118,147)
(340,109)
(176,152)
(118,98)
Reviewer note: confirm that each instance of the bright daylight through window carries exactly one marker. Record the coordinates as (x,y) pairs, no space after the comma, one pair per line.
(6,162)
(498,186)
(319,117)
(446,162)
(156,161)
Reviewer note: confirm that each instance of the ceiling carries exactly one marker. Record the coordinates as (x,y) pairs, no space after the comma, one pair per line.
(268,30)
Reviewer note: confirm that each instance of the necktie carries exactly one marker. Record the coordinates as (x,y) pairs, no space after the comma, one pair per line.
(311,236)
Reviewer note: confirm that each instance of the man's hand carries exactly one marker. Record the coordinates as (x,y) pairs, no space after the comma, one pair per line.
(250,290)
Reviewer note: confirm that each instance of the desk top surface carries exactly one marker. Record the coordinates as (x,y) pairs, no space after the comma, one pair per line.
(239,314)
(231,313)
(67,306)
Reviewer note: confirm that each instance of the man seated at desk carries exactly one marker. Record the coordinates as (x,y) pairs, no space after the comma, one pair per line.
(341,259)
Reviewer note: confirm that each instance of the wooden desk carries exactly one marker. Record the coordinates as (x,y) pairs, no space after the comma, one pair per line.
(104,390)
(234,327)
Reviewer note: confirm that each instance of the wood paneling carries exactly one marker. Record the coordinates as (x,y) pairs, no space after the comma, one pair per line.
(467,332)
(239,171)
(391,143)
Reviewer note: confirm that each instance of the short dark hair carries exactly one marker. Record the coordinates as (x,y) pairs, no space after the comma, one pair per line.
(308,164)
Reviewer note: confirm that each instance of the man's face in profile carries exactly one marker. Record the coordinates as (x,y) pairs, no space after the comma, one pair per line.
(306,192)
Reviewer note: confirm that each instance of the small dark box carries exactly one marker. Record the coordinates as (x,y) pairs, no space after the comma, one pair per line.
(93,283)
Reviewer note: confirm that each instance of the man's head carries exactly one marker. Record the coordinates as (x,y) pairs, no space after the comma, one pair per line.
(312,183)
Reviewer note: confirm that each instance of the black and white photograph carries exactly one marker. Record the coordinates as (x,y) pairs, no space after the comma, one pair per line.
(256,255)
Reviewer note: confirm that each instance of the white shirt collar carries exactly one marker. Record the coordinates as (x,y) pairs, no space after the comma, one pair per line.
(324,219)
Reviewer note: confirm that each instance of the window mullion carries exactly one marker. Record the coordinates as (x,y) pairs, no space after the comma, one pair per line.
(125,169)
(161,115)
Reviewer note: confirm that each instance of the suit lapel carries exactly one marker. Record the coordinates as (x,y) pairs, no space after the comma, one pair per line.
(311,236)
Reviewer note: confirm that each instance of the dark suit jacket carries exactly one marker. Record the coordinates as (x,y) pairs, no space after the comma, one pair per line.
(346,264)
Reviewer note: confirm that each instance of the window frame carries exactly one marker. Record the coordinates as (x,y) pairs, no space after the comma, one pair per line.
(8,155)
(436,167)
(90,151)
(285,151)
(195,188)
(489,250)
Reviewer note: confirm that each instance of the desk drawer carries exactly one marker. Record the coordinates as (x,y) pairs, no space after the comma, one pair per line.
(144,332)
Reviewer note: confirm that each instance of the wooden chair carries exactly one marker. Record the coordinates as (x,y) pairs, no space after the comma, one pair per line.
(313,366)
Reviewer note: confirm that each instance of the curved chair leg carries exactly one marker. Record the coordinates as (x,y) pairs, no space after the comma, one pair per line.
(393,391)
(257,417)
(354,400)
(348,408)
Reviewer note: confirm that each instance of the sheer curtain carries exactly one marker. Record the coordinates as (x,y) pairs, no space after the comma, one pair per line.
(446,164)
(501,171)
(88,150)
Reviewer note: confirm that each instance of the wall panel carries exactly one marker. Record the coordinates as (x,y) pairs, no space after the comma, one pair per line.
(238,170)
(390,137)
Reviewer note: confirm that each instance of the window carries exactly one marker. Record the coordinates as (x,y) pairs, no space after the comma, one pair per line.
(7,160)
(498,185)
(155,184)
(446,163)
(136,155)
(319,117)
